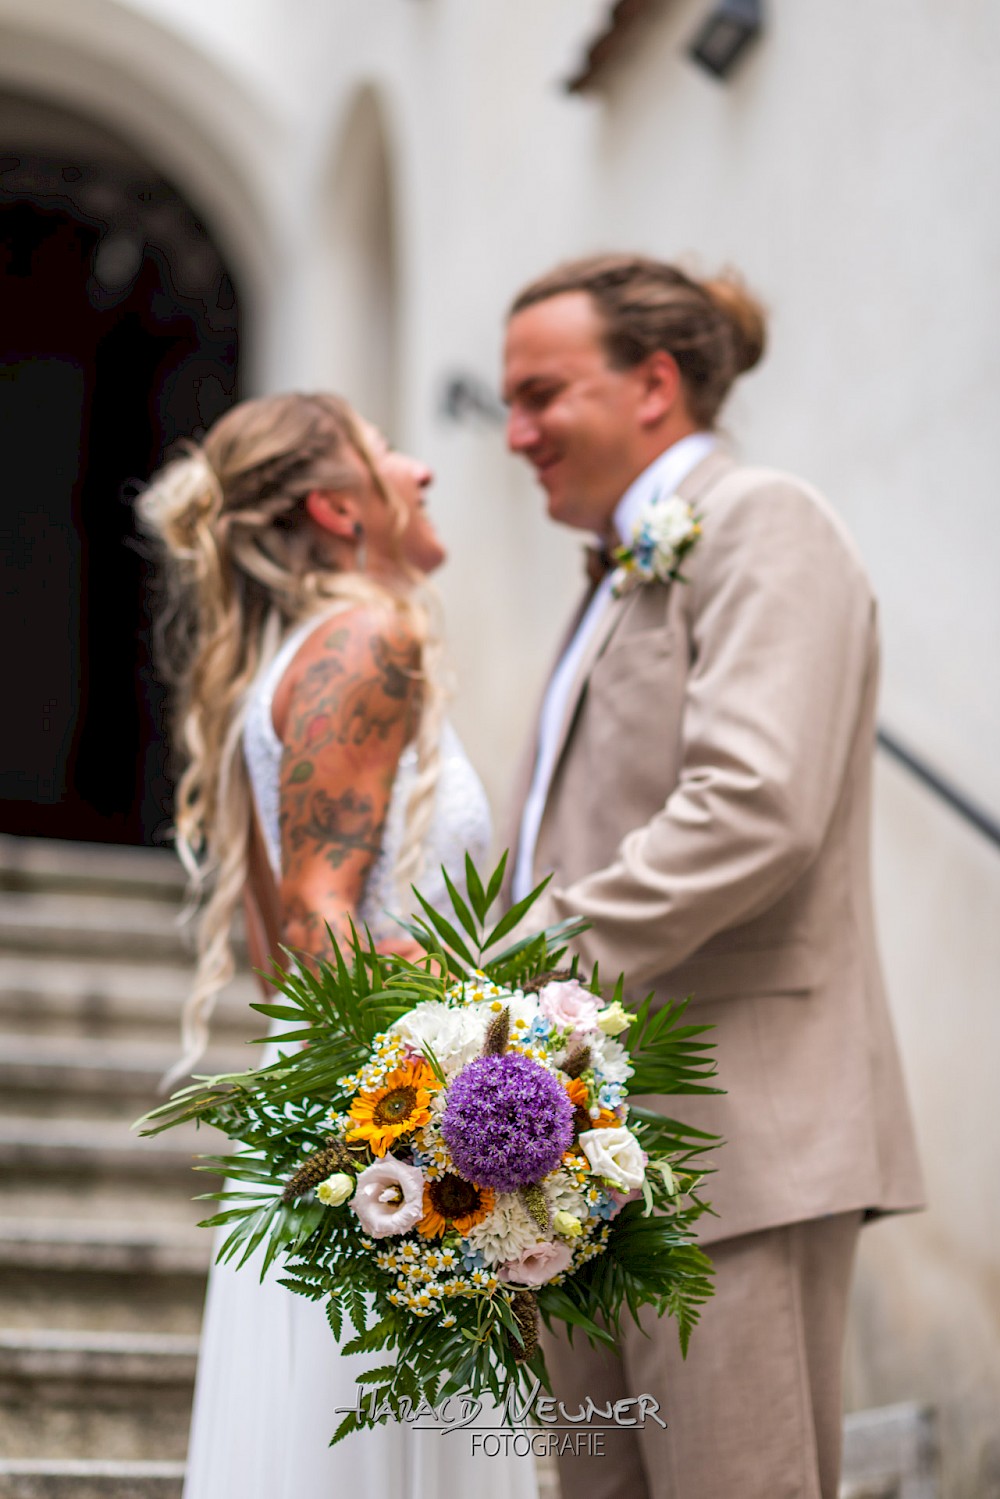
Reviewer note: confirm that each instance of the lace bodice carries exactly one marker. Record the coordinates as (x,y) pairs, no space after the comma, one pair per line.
(460,820)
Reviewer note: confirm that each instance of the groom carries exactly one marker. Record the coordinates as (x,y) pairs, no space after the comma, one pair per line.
(699,790)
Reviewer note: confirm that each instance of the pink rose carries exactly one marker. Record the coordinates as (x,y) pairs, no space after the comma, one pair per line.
(389,1198)
(621,1198)
(537,1264)
(569,1005)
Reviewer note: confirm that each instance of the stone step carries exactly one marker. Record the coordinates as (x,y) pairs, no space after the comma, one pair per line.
(90,1480)
(87,1076)
(87,996)
(53,864)
(76,1274)
(96,1168)
(85,924)
(108,1395)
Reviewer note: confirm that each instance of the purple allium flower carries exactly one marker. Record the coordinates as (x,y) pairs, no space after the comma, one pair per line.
(507,1122)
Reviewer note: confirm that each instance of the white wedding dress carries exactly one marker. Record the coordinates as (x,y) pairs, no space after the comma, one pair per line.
(270,1375)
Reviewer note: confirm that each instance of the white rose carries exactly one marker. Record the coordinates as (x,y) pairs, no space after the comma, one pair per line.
(672,522)
(615,1154)
(336,1189)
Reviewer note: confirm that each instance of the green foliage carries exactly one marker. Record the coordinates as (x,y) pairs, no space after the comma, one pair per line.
(666,1056)
(280,1114)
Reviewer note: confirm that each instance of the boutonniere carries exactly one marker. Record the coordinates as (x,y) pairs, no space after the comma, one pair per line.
(665,532)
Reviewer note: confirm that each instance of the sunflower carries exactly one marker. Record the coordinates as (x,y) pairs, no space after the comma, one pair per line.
(400,1104)
(452,1202)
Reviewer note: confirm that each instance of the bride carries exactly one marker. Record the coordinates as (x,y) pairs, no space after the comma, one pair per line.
(320,779)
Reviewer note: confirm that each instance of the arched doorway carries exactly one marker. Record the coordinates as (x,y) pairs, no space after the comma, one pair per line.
(359,272)
(119,334)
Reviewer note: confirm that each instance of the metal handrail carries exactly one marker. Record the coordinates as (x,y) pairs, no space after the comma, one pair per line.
(969,810)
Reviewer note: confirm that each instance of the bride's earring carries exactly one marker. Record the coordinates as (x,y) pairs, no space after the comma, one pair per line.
(361,551)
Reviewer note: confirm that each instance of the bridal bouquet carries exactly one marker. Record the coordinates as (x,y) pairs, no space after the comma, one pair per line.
(454,1154)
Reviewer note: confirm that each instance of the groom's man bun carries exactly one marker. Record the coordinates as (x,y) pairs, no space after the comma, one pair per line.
(715,329)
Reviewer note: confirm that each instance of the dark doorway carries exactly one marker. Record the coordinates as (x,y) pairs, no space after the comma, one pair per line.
(118,336)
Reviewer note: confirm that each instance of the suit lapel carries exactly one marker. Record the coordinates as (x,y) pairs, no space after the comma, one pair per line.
(715,466)
(610,618)
(701,478)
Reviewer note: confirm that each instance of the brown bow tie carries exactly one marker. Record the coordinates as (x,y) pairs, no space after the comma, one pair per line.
(598,562)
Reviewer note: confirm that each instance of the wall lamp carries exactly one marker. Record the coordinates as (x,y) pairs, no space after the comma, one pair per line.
(727,32)
(465,396)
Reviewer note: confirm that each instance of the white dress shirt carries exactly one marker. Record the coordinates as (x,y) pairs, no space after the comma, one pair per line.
(661,478)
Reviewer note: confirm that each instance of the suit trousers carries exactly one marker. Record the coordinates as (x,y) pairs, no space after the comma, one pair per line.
(754,1412)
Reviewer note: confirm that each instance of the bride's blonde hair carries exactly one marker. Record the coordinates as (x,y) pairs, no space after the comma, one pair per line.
(243,564)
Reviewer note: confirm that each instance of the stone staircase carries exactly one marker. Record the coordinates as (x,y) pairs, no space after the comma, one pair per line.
(102,1268)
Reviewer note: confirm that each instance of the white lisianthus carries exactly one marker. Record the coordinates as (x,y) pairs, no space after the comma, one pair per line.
(389,1197)
(335,1190)
(455,1035)
(616,1155)
(609,1059)
(614,1019)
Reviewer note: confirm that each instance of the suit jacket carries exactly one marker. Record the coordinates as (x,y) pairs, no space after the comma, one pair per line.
(709,814)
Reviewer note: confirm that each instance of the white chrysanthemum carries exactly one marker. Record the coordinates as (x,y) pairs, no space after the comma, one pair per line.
(454,1035)
(609,1059)
(505,1233)
(563,1195)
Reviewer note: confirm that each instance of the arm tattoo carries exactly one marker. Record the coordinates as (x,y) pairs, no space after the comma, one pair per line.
(335,705)
(350,714)
(341,825)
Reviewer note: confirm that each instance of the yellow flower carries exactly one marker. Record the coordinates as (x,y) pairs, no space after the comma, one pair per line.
(567,1226)
(578,1094)
(399,1106)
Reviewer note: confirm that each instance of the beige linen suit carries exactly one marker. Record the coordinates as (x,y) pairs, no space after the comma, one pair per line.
(709,813)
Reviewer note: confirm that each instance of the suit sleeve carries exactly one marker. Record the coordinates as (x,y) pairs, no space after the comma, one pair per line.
(782,640)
